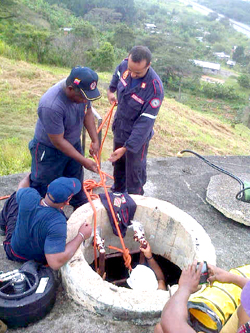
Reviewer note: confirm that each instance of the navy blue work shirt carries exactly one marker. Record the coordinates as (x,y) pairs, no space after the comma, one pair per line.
(39,230)
(137,106)
(58,114)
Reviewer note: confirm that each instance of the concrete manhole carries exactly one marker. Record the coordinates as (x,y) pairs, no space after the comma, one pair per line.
(172,234)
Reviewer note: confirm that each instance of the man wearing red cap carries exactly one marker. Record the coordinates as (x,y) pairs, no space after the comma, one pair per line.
(56,149)
(36,227)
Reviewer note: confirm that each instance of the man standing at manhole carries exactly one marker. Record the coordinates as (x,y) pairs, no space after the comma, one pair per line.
(56,148)
(139,96)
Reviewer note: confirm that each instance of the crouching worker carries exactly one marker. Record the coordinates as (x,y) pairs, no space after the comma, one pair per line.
(36,227)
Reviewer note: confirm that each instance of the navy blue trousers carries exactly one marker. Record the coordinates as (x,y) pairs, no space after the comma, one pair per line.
(8,218)
(50,163)
(130,170)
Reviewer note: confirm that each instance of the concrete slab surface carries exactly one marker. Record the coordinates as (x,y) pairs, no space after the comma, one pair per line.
(221,193)
(180,181)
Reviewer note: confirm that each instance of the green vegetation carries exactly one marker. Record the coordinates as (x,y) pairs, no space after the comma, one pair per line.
(235,9)
(210,131)
(244,80)
(42,39)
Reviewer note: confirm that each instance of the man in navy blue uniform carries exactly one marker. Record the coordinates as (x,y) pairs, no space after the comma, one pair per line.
(36,227)
(139,97)
(56,149)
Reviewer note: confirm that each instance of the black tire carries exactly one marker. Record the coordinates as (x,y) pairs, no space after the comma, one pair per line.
(20,311)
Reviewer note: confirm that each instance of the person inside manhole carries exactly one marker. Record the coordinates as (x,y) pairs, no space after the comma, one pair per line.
(174,316)
(147,276)
(36,227)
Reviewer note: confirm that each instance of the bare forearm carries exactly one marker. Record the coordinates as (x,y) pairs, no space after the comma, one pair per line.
(237,279)
(156,268)
(57,260)
(71,247)
(174,315)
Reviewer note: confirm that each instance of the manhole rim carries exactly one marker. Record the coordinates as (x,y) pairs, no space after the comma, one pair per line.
(86,287)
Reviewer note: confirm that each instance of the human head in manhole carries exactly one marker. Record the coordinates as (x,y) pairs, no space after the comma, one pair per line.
(147,276)
(142,278)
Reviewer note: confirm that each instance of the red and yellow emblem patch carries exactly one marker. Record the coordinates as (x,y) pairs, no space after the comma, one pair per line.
(77,81)
(125,74)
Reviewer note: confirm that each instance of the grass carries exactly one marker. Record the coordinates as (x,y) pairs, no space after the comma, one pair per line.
(208,130)
(227,111)
(182,128)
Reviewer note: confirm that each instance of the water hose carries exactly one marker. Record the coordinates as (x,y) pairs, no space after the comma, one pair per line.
(243,194)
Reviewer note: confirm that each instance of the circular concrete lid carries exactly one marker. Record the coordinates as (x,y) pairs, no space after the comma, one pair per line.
(172,234)
(221,194)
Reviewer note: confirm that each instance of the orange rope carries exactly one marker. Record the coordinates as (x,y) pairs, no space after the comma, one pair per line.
(95,223)
(108,116)
(4,197)
(88,186)
(126,254)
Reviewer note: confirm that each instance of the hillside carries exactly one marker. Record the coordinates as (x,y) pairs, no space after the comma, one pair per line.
(177,127)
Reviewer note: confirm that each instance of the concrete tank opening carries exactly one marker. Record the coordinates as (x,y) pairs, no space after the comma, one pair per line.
(117,273)
(173,235)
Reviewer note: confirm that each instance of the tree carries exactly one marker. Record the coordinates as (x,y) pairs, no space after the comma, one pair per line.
(173,66)
(225,21)
(124,37)
(212,16)
(213,37)
(151,41)
(127,9)
(7,9)
(83,29)
(29,39)
(238,54)
(101,59)
(103,17)
(244,80)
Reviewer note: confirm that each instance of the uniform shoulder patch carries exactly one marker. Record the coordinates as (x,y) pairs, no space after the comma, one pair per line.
(117,202)
(125,74)
(155,103)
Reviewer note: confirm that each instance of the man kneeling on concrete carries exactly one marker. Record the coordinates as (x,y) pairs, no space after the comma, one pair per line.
(36,227)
